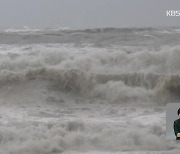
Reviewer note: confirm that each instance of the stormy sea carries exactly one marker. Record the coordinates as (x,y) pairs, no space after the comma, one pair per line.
(91,91)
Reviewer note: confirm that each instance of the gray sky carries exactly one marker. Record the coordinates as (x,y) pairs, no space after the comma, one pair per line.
(87,13)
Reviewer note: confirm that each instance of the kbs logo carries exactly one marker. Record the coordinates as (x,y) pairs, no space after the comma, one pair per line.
(173,13)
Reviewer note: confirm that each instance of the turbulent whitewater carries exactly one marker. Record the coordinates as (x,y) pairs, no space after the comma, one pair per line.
(88,91)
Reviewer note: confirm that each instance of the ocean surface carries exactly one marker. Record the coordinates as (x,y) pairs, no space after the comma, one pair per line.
(92,91)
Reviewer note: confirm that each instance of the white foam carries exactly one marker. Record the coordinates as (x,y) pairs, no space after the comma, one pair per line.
(58,98)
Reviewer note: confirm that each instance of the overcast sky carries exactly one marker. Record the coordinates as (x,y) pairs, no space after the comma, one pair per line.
(87,13)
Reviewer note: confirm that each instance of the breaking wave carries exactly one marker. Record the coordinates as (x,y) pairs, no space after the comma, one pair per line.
(113,75)
(73,90)
(82,137)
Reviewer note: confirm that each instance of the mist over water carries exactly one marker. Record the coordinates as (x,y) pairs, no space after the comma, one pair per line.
(87,91)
